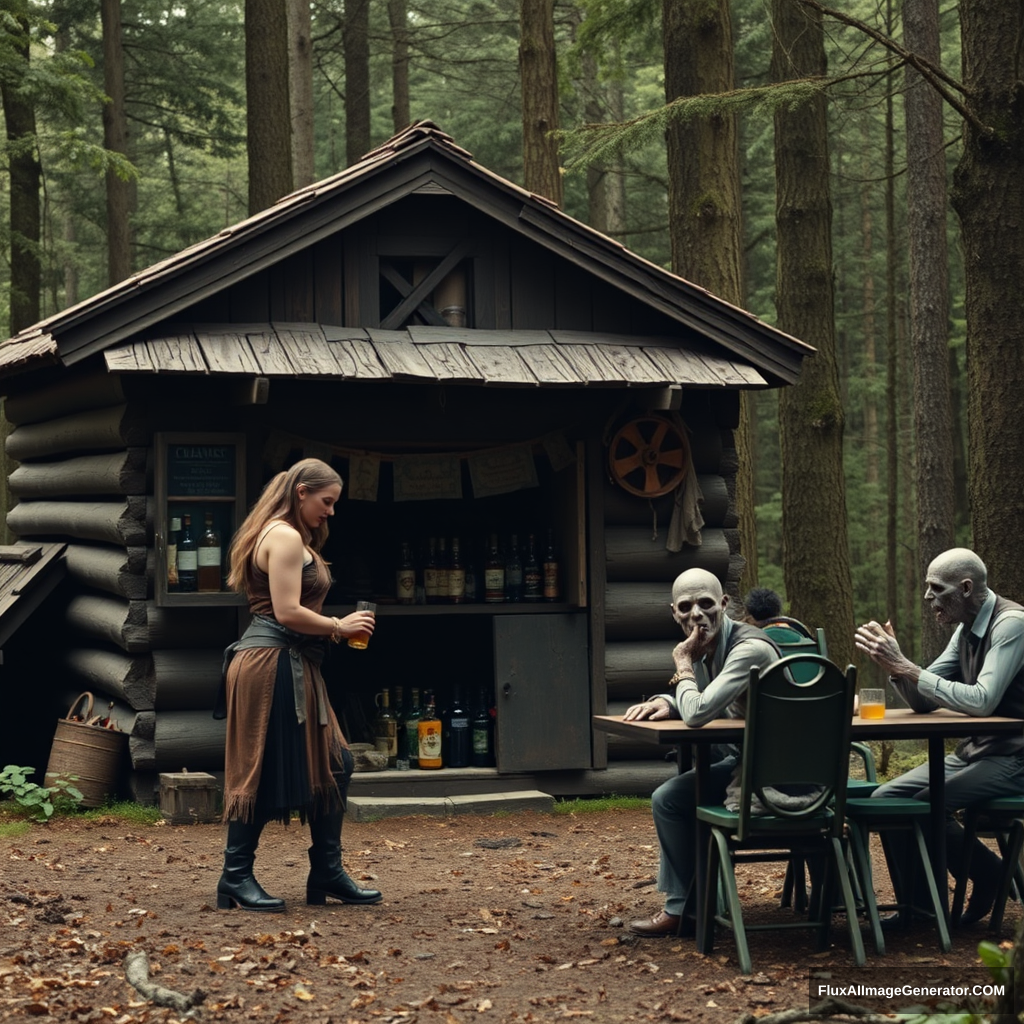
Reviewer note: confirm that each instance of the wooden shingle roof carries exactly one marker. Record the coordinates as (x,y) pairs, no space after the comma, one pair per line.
(28,573)
(420,158)
(452,355)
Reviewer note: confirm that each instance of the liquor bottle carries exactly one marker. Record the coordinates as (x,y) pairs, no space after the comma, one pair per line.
(533,582)
(430,589)
(208,560)
(514,572)
(401,736)
(405,577)
(482,728)
(385,735)
(442,571)
(552,571)
(411,720)
(472,579)
(456,734)
(494,574)
(456,575)
(188,561)
(429,736)
(172,555)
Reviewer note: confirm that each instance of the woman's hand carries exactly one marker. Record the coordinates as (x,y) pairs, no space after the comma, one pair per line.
(356,622)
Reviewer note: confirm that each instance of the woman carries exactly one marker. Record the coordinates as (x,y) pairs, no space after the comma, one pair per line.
(285,750)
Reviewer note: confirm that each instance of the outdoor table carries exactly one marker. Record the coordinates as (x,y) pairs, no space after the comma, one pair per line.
(898,724)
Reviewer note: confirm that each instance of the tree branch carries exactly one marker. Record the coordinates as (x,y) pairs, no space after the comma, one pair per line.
(826,1009)
(136,972)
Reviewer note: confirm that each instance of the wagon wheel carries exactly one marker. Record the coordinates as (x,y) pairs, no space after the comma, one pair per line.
(649,457)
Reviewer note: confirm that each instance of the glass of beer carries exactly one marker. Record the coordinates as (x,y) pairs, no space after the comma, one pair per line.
(872,703)
(361,640)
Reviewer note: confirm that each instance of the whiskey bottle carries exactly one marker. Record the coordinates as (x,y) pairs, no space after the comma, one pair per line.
(401,736)
(430,588)
(172,555)
(457,738)
(188,562)
(456,576)
(385,736)
(552,572)
(494,574)
(514,572)
(482,728)
(405,577)
(208,560)
(533,582)
(411,721)
(429,736)
(442,571)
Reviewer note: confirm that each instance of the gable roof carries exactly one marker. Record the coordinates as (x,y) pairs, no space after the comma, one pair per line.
(420,158)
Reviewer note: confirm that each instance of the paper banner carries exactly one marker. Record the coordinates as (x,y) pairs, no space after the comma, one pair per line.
(427,477)
(502,470)
(363,476)
(559,451)
(318,450)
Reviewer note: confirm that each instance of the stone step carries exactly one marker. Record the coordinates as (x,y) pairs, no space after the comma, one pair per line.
(372,808)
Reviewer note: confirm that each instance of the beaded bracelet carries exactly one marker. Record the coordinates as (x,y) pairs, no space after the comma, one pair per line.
(335,630)
(678,677)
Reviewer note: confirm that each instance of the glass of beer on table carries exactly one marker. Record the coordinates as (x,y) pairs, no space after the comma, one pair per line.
(872,703)
(361,640)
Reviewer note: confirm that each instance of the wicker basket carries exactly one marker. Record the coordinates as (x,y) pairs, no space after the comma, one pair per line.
(87,754)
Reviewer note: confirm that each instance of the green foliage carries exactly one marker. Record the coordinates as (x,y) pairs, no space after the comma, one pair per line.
(125,810)
(592,805)
(38,802)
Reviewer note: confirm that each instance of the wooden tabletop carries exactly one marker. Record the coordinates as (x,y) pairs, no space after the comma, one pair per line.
(898,724)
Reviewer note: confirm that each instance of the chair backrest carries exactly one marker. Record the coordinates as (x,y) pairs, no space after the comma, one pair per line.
(793,637)
(797,738)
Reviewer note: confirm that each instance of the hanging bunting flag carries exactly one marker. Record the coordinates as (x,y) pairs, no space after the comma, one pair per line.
(560,452)
(363,477)
(427,477)
(501,470)
(318,450)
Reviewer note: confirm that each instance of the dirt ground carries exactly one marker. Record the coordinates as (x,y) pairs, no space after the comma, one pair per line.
(507,918)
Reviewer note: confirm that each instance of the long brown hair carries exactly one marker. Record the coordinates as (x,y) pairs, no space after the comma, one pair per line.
(279,500)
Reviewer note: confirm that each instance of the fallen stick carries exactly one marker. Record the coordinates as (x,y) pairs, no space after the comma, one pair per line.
(825,1010)
(136,972)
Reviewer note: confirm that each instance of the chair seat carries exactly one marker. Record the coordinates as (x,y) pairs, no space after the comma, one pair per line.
(888,809)
(1001,805)
(729,821)
(856,788)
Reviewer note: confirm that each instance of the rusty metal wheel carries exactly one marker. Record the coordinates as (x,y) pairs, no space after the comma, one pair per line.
(649,457)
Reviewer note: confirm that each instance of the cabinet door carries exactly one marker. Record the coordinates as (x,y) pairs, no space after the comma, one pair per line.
(542,692)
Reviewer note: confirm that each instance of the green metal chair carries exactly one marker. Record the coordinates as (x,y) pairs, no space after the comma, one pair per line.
(799,712)
(1003,819)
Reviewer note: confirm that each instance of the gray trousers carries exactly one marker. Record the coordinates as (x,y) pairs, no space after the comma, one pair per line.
(966,783)
(674,806)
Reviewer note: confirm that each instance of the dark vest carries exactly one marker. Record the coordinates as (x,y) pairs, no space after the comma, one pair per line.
(1012,703)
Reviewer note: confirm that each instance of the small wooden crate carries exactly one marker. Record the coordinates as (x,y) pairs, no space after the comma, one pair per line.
(187,798)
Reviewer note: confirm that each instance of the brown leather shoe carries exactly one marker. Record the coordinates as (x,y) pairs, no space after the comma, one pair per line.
(657,926)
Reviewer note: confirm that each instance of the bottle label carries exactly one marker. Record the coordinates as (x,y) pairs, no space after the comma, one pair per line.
(209,556)
(494,585)
(430,741)
(480,738)
(513,576)
(551,580)
(456,582)
(532,580)
(188,561)
(430,582)
(405,585)
(412,735)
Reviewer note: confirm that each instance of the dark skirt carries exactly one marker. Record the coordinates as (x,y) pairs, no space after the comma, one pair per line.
(284,778)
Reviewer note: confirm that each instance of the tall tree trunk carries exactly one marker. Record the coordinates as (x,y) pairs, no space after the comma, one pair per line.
(356,44)
(705,213)
(268,109)
(606,192)
(816,561)
(300,92)
(115,139)
(988,196)
(538,72)
(398,17)
(929,306)
(26,179)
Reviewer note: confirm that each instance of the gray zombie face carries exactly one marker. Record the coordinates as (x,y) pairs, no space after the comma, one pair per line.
(698,604)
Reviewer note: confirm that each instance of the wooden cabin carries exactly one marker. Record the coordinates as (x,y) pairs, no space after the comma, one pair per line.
(475,363)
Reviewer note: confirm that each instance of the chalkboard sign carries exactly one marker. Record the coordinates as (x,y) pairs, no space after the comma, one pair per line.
(195,469)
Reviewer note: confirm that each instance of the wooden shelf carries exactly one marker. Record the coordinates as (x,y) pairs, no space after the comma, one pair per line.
(502,608)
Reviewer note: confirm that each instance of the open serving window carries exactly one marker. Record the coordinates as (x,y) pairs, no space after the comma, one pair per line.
(200,495)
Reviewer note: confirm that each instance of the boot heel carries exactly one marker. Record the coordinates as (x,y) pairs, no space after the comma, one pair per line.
(316,897)
(225,902)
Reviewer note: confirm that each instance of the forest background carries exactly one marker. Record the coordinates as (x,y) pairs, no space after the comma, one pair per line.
(854,176)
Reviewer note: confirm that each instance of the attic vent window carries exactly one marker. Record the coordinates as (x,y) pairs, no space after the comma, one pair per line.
(421,291)
(431,188)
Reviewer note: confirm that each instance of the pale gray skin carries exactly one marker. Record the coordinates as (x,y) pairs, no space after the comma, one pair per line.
(698,605)
(956,586)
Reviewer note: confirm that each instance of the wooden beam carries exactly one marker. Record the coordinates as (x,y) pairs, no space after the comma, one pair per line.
(397,317)
(124,472)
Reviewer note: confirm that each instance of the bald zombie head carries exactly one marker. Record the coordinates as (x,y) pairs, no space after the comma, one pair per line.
(956,586)
(698,603)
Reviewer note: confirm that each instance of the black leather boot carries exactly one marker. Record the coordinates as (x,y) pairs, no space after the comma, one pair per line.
(327,875)
(238,886)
